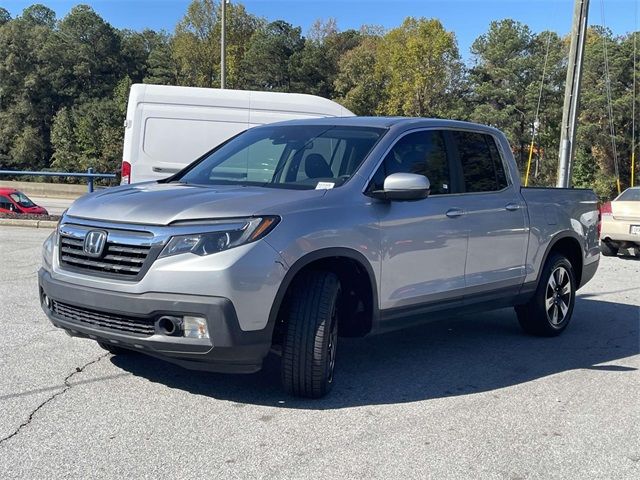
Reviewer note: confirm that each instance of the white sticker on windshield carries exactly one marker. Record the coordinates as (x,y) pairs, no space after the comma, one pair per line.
(324,185)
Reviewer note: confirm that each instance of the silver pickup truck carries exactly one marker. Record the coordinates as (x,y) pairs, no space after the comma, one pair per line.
(290,235)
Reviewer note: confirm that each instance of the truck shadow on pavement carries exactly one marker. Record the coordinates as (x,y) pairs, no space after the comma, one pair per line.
(458,356)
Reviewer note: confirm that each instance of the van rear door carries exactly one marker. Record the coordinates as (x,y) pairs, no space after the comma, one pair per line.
(174,136)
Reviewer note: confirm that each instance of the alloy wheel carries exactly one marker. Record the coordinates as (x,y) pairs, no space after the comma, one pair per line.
(558,295)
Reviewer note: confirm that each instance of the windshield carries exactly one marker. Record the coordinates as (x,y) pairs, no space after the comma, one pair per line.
(22,200)
(291,156)
(630,195)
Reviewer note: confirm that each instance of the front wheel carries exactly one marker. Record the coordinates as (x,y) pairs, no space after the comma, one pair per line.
(549,312)
(311,338)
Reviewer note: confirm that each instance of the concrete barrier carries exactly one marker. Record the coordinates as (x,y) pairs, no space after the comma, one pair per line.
(37,189)
(15,222)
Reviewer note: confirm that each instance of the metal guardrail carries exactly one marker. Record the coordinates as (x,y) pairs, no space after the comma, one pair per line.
(89,175)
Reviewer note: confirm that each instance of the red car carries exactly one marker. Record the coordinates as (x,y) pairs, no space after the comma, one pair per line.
(14,201)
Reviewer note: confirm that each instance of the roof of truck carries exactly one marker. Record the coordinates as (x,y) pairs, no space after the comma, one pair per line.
(386,122)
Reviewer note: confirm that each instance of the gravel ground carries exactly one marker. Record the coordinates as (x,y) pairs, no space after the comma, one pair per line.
(470,397)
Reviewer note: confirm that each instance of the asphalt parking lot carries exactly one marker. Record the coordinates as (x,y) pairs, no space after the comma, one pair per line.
(470,397)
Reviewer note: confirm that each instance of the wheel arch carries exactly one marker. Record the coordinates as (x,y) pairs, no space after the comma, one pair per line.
(327,257)
(570,245)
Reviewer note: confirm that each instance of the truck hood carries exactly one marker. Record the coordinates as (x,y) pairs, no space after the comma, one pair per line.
(164,203)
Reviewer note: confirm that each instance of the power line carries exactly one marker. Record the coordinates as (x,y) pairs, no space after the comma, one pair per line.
(607,83)
(536,120)
(633,100)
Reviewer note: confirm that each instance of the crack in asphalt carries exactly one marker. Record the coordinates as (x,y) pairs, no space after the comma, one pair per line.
(67,387)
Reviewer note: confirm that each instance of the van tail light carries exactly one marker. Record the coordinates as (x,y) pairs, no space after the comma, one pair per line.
(125,178)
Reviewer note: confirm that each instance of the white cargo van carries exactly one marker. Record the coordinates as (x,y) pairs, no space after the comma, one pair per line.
(169,127)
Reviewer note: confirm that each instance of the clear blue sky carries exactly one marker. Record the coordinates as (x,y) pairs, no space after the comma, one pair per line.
(467,18)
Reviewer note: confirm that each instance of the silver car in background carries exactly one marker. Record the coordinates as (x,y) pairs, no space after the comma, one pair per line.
(290,235)
(621,223)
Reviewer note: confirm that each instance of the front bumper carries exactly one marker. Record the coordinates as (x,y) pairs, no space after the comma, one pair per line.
(228,349)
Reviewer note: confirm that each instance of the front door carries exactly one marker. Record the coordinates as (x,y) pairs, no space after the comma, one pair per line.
(423,242)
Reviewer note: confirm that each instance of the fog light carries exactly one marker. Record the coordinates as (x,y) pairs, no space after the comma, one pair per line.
(195,327)
(47,301)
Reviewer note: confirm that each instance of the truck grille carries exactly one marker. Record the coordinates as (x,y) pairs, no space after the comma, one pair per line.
(137,325)
(117,259)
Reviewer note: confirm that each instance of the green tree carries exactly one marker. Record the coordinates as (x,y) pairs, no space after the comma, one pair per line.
(39,14)
(594,165)
(85,56)
(267,62)
(549,47)
(161,67)
(137,47)
(420,67)
(5,16)
(356,85)
(315,67)
(196,43)
(502,80)
(88,135)
(26,93)
(66,155)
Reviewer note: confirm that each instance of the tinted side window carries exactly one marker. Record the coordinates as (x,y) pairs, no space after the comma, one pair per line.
(501,175)
(423,153)
(5,203)
(482,167)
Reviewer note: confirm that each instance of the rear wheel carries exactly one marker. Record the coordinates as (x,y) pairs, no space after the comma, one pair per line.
(608,249)
(549,311)
(311,337)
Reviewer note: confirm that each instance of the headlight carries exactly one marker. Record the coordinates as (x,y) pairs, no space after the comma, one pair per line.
(50,243)
(221,239)
(47,249)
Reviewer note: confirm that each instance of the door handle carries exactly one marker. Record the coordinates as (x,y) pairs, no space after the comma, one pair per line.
(454,212)
(512,207)
(165,170)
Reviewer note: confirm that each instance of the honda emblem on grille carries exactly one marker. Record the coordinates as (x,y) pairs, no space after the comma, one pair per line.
(94,243)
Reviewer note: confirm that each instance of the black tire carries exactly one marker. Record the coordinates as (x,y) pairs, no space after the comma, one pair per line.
(608,249)
(310,341)
(114,349)
(549,312)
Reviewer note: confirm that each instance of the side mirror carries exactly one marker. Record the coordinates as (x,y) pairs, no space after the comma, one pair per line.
(404,186)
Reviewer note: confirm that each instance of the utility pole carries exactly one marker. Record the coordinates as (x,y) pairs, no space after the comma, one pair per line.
(572,92)
(223,52)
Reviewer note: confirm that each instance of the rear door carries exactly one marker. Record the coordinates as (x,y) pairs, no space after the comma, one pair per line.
(495,216)
(175,135)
